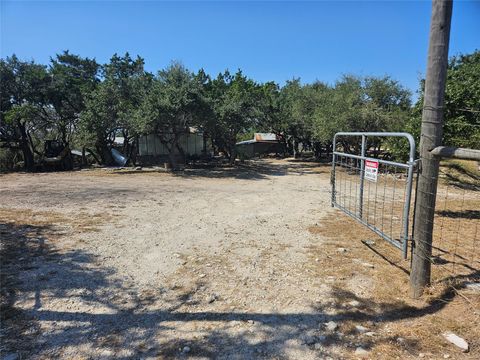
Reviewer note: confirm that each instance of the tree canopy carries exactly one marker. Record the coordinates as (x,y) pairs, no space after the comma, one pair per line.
(88,105)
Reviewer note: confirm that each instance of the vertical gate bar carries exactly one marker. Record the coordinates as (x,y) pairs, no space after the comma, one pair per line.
(345,173)
(394,175)
(385,178)
(404,195)
(356,187)
(368,202)
(349,186)
(406,210)
(375,202)
(362,169)
(341,181)
(332,179)
(340,192)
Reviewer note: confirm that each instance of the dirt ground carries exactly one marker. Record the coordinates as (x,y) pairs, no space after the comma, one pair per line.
(230,263)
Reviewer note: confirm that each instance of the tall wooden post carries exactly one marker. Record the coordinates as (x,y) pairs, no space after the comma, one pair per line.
(431,137)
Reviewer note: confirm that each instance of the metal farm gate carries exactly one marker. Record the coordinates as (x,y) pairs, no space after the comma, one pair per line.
(376,192)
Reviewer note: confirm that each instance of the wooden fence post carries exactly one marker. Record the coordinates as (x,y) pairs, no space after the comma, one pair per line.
(431,137)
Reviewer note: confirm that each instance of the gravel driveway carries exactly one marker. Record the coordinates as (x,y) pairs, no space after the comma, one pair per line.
(207,263)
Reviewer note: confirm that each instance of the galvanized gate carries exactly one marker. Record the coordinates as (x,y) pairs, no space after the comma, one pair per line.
(377,192)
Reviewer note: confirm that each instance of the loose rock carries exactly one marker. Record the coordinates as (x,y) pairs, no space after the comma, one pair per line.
(354,303)
(212,298)
(361,329)
(457,341)
(331,326)
(474,286)
(361,352)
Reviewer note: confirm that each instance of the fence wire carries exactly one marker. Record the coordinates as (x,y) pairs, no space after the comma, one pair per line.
(455,255)
(383,201)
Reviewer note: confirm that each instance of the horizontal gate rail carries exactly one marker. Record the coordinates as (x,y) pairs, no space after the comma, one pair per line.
(351,169)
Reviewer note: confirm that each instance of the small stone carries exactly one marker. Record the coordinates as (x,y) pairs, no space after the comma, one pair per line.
(317,259)
(370,242)
(360,351)
(354,303)
(212,298)
(473,286)
(138,168)
(342,250)
(370,333)
(446,356)
(457,341)
(331,326)
(251,322)
(202,275)
(368,265)
(361,329)
(422,355)
(186,349)
(400,340)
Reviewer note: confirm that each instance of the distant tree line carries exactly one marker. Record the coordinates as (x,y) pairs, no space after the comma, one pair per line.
(85,105)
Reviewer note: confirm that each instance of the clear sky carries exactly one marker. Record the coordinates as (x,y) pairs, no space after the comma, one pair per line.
(267,40)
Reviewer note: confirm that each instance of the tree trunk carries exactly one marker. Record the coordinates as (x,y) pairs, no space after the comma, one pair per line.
(134,151)
(205,139)
(104,152)
(431,137)
(84,157)
(28,160)
(99,162)
(232,149)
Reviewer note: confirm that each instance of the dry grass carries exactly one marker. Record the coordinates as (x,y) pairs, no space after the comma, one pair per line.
(385,294)
(460,172)
(62,223)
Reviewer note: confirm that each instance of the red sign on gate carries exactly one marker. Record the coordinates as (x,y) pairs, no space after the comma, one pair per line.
(371,170)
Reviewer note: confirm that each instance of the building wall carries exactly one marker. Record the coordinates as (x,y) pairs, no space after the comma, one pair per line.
(150,145)
(254,149)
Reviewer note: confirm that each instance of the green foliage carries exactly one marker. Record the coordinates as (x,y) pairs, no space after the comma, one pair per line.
(71,79)
(22,97)
(362,104)
(462,102)
(462,106)
(111,107)
(235,105)
(85,104)
(170,106)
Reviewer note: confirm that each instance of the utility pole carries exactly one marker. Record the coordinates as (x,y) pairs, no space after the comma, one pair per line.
(431,137)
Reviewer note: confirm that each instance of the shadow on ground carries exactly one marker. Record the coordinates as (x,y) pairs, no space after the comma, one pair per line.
(259,169)
(126,324)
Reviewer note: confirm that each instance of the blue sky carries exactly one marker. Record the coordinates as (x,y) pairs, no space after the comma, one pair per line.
(267,40)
